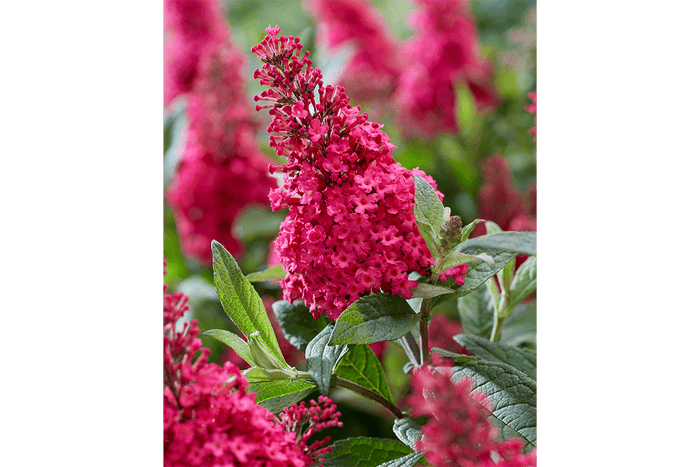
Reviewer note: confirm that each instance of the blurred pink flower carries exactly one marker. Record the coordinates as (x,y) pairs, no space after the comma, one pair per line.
(221,170)
(374,67)
(532,108)
(458,432)
(443,52)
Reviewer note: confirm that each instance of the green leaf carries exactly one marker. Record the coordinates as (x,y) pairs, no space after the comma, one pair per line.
(476,312)
(297,322)
(236,343)
(407,430)
(429,236)
(405,461)
(322,358)
(362,366)
(455,258)
(240,300)
(524,360)
(492,228)
(457,357)
(374,318)
(365,452)
(428,208)
(521,243)
(524,282)
(512,393)
(256,374)
(425,290)
(469,228)
(270,274)
(276,395)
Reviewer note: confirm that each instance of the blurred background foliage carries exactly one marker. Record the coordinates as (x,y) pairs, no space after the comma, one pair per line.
(507,37)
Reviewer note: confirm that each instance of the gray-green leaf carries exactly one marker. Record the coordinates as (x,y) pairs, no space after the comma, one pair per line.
(524,360)
(236,343)
(425,290)
(407,431)
(365,452)
(270,274)
(297,322)
(457,357)
(428,208)
(405,461)
(476,312)
(240,300)
(521,243)
(455,258)
(374,318)
(524,282)
(322,358)
(362,366)
(512,393)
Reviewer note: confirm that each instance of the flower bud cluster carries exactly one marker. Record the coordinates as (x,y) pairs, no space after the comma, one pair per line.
(350,228)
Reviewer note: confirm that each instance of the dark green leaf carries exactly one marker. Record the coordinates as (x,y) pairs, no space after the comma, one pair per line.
(297,322)
(270,274)
(365,452)
(512,393)
(276,395)
(524,360)
(476,312)
(524,282)
(362,366)
(240,300)
(428,208)
(405,461)
(321,358)
(521,243)
(374,318)
(236,343)
(457,357)
(407,431)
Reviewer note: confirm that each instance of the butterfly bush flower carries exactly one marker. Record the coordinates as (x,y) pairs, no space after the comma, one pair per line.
(191,26)
(373,70)
(306,421)
(458,432)
(222,169)
(532,108)
(443,52)
(350,230)
(208,417)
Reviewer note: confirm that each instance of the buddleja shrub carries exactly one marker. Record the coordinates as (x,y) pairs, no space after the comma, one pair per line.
(363,237)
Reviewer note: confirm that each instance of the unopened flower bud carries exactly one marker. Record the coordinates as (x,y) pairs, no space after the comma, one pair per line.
(450,233)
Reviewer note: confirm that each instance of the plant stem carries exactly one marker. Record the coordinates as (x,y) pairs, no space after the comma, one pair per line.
(424,322)
(496,331)
(344,383)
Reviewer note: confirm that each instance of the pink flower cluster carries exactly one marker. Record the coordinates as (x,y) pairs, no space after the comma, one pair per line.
(459,432)
(351,228)
(222,169)
(532,108)
(374,68)
(210,420)
(306,421)
(443,51)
